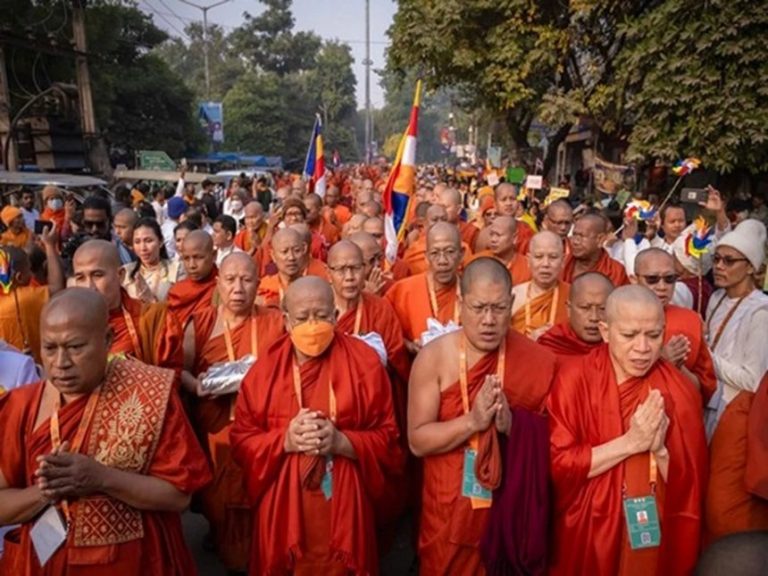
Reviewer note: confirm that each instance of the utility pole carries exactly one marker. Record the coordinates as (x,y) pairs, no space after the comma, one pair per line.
(368,62)
(5,114)
(204,10)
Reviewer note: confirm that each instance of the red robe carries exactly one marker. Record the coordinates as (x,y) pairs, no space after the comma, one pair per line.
(410,299)
(523,237)
(606,265)
(159,335)
(587,408)
(565,343)
(294,525)
(270,286)
(189,296)
(224,502)
(450,530)
(699,361)
(469,233)
(177,459)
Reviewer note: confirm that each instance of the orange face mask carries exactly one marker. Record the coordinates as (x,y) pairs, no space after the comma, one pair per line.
(312,338)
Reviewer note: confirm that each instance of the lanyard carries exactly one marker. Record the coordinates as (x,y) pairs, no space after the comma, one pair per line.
(297,390)
(358,316)
(725,321)
(552,311)
(231,347)
(653,470)
(433,299)
(77,443)
(133,335)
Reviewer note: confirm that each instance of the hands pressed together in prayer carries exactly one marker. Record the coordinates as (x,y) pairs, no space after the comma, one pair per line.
(377,280)
(677,350)
(648,426)
(491,407)
(311,432)
(65,475)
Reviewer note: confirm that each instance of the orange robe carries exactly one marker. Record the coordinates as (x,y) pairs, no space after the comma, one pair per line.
(737,495)
(410,299)
(14,329)
(159,338)
(271,287)
(176,458)
(543,310)
(327,231)
(295,527)
(343,214)
(189,296)
(450,530)
(606,265)
(243,239)
(587,408)
(565,343)
(224,502)
(518,267)
(469,233)
(523,238)
(21,240)
(415,256)
(699,361)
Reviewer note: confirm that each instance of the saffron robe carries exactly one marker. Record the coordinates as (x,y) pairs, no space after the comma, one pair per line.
(523,237)
(327,232)
(189,296)
(699,361)
(270,286)
(565,343)
(450,530)
(518,266)
(223,501)
(14,328)
(541,308)
(176,457)
(410,300)
(244,238)
(310,533)
(606,266)
(588,408)
(21,240)
(737,494)
(159,335)
(415,256)
(469,233)
(342,213)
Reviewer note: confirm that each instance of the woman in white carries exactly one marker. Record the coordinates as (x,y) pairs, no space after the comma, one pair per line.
(737,317)
(150,278)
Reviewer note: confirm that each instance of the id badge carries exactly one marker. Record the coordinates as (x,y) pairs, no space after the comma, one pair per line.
(48,534)
(326,485)
(470,487)
(642,518)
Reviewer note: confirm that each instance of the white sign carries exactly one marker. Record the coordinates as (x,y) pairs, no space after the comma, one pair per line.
(534,182)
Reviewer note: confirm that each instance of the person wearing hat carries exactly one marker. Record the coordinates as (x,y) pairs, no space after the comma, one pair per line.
(737,317)
(692,289)
(54,209)
(176,207)
(16,232)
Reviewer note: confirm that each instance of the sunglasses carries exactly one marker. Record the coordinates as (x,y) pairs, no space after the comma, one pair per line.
(653,279)
(727,261)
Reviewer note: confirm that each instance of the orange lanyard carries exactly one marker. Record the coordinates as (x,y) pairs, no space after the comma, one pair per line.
(77,443)
(653,470)
(433,299)
(552,311)
(297,390)
(133,335)
(358,316)
(231,347)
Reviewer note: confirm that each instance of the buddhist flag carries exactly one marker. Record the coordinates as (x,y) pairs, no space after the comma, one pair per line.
(402,181)
(314,166)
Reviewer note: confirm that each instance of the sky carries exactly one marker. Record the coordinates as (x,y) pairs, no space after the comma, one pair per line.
(330,19)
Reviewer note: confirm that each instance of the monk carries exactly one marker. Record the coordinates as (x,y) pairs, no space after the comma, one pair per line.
(225,333)
(377,280)
(317,224)
(197,290)
(16,234)
(353,225)
(445,421)
(434,293)
(507,204)
(558,218)
(250,238)
(450,199)
(341,213)
(613,415)
(104,446)
(588,254)
(290,253)
(146,332)
(503,234)
(541,303)
(580,334)
(21,306)
(737,493)
(415,256)
(684,342)
(316,437)
(315,266)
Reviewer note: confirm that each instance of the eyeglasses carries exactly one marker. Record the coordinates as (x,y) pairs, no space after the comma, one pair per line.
(343,270)
(448,253)
(481,309)
(727,261)
(653,279)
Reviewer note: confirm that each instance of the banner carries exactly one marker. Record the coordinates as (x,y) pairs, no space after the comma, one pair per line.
(211,115)
(612,178)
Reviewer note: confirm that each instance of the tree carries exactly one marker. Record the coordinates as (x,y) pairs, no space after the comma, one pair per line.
(334,82)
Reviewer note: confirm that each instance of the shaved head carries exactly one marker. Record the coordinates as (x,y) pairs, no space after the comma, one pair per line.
(375,227)
(547,239)
(443,231)
(486,303)
(558,218)
(238,260)
(347,271)
(126,215)
(592,281)
(588,236)
(586,305)
(545,258)
(450,199)
(501,237)
(253,210)
(505,197)
(290,252)
(304,232)
(96,265)
(631,297)
(488,270)
(106,251)
(237,283)
(309,291)
(372,250)
(655,269)
(436,213)
(354,224)
(197,255)
(75,340)
(647,258)
(345,249)
(199,239)
(444,253)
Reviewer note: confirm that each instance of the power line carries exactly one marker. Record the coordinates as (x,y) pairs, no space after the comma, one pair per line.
(184,21)
(171,24)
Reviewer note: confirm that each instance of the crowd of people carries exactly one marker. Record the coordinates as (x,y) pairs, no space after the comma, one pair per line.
(537,385)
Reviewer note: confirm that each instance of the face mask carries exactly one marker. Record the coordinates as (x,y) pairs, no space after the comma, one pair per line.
(312,338)
(236,206)
(55,203)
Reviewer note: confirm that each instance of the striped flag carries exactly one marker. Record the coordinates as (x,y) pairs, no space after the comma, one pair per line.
(314,166)
(402,181)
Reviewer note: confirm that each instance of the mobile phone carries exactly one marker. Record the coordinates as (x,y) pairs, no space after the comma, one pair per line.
(41,225)
(694,195)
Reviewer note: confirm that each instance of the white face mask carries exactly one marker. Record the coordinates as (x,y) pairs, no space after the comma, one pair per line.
(236,206)
(55,203)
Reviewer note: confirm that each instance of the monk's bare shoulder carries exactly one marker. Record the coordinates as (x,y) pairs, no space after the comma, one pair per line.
(440,358)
